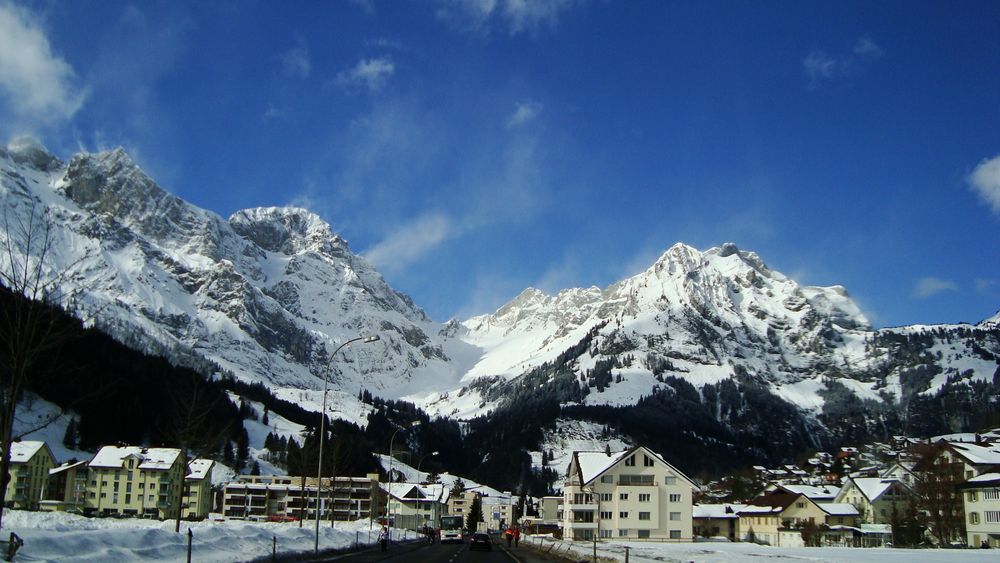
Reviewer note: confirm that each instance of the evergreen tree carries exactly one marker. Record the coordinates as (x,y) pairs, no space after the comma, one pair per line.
(264,420)
(255,470)
(242,449)
(475,515)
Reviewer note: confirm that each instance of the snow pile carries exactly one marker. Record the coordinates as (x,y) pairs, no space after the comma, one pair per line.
(66,538)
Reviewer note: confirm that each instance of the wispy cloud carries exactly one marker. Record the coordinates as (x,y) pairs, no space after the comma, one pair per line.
(986,285)
(37,86)
(985,181)
(368,74)
(410,242)
(931,286)
(821,67)
(296,62)
(523,113)
(517,16)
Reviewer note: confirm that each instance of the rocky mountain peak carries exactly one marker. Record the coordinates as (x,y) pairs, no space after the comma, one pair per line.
(28,151)
(287,230)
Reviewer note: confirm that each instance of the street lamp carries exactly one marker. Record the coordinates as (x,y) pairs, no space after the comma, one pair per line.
(388,496)
(322,426)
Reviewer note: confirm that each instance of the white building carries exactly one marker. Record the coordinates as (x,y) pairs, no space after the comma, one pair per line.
(982,509)
(415,506)
(633,494)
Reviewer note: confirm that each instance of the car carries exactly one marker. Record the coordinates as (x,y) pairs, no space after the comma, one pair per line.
(480,540)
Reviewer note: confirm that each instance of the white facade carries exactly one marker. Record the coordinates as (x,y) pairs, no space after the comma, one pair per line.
(633,494)
(981,496)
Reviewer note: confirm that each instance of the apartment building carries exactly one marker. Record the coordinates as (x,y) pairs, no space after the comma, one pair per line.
(981,499)
(275,497)
(137,481)
(460,504)
(633,494)
(30,462)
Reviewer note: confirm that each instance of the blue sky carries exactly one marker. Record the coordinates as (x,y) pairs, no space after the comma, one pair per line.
(473,148)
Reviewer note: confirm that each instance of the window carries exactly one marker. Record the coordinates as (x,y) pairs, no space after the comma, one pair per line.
(128,499)
(675,515)
(622,496)
(116,486)
(973,518)
(606,515)
(128,487)
(623,514)
(605,533)
(92,495)
(93,483)
(623,533)
(104,495)
(993,516)
(630,461)
(991,494)
(643,516)
(635,479)
(644,534)
(643,497)
(800,505)
(605,497)
(675,534)
(973,497)
(670,480)
(607,478)
(675,497)
(647,461)
(142,485)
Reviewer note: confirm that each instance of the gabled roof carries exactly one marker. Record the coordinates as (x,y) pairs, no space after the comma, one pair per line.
(199,469)
(21,452)
(592,465)
(872,487)
(67,466)
(113,457)
(717,510)
(991,479)
(778,499)
(435,492)
(978,454)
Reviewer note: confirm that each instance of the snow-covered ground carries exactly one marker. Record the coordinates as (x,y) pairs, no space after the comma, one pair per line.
(751,553)
(68,538)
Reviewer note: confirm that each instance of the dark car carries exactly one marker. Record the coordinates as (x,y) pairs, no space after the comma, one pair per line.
(481,541)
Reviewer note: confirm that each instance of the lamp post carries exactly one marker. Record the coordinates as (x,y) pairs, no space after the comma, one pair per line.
(322,426)
(388,496)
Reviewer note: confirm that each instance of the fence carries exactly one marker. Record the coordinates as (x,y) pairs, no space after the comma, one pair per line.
(580,550)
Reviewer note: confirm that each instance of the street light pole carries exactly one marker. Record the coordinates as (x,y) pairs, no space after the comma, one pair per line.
(388,490)
(322,426)
(419,463)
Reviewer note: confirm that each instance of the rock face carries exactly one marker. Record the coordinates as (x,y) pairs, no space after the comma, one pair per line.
(267,294)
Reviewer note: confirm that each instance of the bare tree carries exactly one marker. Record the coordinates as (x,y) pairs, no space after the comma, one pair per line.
(32,326)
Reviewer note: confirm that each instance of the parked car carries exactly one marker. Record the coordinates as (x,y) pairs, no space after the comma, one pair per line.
(480,540)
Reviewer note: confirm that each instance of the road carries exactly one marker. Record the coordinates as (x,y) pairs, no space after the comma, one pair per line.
(447,553)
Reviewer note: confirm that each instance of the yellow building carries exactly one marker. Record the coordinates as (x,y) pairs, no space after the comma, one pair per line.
(135,481)
(30,463)
(198,490)
(67,488)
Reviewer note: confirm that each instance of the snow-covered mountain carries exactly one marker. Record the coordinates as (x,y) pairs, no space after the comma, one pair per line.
(269,293)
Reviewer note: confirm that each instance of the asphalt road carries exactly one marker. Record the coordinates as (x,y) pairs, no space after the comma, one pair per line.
(447,553)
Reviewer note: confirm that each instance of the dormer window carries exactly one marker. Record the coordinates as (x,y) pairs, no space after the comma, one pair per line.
(647,461)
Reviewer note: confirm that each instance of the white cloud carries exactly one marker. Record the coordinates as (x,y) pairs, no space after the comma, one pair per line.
(930,286)
(37,85)
(296,62)
(370,74)
(821,67)
(985,285)
(523,113)
(517,15)
(411,242)
(985,181)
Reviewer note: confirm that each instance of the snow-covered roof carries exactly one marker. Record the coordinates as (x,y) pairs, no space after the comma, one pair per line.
(978,455)
(21,452)
(839,509)
(66,466)
(200,469)
(752,509)
(991,479)
(592,464)
(872,487)
(415,491)
(149,458)
(717,510)
(813,492)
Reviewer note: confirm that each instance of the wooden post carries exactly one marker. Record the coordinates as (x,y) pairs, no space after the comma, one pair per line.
(274,548)
(190,538)
(626,554)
